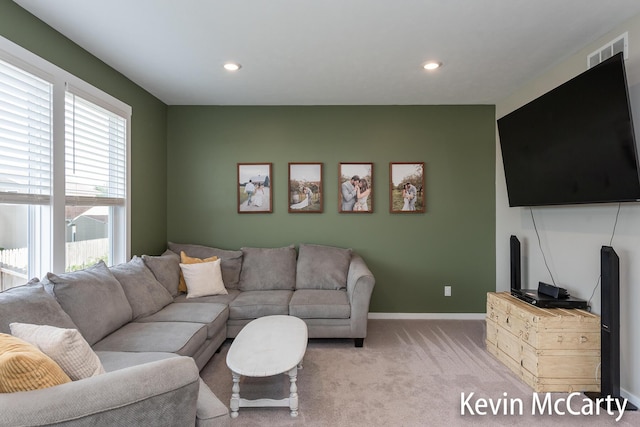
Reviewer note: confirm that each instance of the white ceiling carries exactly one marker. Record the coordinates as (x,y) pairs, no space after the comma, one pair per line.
(332,52)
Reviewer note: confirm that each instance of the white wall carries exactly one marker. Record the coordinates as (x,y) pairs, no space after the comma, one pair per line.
(572,236)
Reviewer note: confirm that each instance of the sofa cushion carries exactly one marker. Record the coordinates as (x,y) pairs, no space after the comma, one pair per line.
(218,299)
(268,269)
(203,279)
(23,367)
(182,338)
(145,294)
(30,303)
(231,260)
(93,298)
(320,304)
(116,360)
(213,315)
(254,304)
(166,269)
(65,346)
(322,267)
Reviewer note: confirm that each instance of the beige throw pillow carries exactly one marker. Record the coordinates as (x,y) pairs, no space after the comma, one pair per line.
(203,279)
(66,347)
(186,259)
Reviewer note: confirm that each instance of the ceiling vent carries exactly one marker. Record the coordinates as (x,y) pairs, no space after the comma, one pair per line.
(617,45)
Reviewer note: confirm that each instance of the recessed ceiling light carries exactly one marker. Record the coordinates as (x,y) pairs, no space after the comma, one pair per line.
(232,66)
(432,65)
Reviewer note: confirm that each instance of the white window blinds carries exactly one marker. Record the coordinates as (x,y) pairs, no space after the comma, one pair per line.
(25,136)
(95,154)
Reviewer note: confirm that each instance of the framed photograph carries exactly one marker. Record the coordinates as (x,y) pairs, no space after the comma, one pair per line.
(255,189)
(305,188)
(355,188)
(406,188)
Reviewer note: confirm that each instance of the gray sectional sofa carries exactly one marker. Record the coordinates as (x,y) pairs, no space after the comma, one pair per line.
(153,340)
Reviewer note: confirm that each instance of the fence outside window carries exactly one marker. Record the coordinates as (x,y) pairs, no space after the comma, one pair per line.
(79,255)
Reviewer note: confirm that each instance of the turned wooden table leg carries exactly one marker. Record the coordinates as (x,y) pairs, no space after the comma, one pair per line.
(293,396)
(235,395)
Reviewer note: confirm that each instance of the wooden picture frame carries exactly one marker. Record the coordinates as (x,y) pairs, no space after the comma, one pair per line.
(305,188)
(255,188)
(352,177)
(407,187)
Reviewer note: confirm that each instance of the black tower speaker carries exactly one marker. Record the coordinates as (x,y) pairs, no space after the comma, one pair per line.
(610,327)
(610,322)
(514,255)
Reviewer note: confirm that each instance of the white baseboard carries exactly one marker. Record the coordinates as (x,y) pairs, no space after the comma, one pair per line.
(632,398)
(428,316)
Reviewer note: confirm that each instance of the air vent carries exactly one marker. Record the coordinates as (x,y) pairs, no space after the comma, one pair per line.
(617,45)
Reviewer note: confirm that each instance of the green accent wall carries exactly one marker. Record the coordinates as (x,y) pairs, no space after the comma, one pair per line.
(412,256)
(148,127)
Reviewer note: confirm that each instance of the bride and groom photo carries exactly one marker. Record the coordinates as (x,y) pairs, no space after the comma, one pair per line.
(407,187)
(355,188)
(254,187)
(305,188)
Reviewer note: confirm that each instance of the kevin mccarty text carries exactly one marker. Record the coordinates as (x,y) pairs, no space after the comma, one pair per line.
(541,404)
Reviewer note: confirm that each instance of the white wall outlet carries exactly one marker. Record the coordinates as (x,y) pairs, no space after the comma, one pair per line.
(447,291)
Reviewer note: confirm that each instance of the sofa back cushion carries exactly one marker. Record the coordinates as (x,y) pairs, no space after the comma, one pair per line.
(265,269)
(30,303)
(145,294)
(231,260)
(166,270)
(93,298)
(322,267)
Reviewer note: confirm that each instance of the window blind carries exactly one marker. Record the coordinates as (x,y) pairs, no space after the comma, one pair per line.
(25,136)
(95,154)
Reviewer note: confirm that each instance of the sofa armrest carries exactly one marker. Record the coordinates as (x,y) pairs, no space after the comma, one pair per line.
(360,283)
(161,393)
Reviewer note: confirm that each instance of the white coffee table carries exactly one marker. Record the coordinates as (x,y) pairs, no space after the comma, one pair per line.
(268,346)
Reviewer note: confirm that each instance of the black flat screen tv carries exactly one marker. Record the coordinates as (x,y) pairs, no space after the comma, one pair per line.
(575,144)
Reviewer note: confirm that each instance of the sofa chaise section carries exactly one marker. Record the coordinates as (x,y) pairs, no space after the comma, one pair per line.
(310,304)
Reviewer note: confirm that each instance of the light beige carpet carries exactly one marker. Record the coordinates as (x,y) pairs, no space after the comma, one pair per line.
(409,373)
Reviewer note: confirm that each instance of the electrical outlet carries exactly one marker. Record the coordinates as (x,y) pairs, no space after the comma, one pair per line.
(447,291)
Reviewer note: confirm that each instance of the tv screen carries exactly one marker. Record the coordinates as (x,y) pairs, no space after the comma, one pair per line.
(575,144)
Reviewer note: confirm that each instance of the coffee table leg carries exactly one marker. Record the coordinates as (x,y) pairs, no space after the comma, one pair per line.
(293,396)
(235,395)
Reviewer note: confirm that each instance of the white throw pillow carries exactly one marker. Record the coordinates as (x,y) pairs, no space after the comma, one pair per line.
(66,347)
(203,279)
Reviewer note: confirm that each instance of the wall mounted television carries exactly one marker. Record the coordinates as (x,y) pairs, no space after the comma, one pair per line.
(575,144)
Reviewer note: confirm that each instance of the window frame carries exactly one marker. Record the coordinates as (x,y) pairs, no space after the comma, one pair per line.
(47,238)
